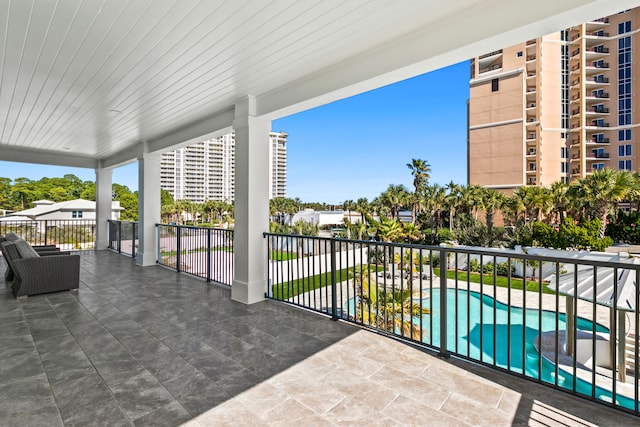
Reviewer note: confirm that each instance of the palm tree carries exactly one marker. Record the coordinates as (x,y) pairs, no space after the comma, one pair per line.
(600,190)
(420,170)
(453,200)
(362,206)
(395,197)
(389,230)
(559,199)
(492,201)
(391,310)
(470,199)
(348,205)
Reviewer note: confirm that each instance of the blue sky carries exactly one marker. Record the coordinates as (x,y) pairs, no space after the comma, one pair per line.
(355,147)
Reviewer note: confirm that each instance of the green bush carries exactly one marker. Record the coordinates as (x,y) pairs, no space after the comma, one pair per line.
(474,265)
(503,269)
(487,268)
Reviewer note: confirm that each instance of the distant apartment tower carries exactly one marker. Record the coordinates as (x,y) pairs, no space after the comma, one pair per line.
(206,170)
(557,107)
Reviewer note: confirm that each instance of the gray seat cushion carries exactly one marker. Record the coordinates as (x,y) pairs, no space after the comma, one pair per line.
(11,236)
(25,250)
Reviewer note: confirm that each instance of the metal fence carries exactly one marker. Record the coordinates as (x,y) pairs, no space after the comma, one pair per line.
(68,235)
(201,251)
(500,309)
(123,237)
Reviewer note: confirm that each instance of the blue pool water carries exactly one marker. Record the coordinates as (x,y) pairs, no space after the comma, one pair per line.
(477,319)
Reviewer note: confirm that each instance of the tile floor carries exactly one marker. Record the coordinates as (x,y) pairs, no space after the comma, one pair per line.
(146,346)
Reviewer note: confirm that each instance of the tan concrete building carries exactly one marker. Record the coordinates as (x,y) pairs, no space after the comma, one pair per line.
(557,107)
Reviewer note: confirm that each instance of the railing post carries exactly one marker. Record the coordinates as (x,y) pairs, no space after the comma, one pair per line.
(133,239)
(178,247)
(119,237)
(443,304)
(46,230)
(208,254)
(334,290)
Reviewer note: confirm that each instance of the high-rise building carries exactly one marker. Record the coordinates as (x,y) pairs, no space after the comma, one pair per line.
(557,107)
(206,170)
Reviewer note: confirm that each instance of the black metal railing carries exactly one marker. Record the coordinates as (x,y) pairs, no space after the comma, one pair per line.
(67,234)
(201,251)
(123,237)
(494,307)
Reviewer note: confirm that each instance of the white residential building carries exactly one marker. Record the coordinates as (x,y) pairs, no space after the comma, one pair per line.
(71,209)
(206,170)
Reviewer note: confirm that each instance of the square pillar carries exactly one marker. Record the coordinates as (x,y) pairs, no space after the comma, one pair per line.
(104,194)
(148,207)
(251,206)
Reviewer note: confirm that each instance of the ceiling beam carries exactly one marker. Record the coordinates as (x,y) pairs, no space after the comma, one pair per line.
(11,154)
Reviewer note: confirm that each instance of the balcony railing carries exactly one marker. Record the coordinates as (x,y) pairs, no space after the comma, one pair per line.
(598,141)
(68,234)
(498,308)
(123,237)
(486,55)
(201,251)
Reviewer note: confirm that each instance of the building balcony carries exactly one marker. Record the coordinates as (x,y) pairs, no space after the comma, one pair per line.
(597,96)
(598,141)
(597,156)
(597,67)
(493,67)
(531,152)
(139,351)
(531,58)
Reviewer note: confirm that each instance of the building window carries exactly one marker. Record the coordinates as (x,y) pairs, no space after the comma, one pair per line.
(76,214)
(564,167)
(624,150)
(624,80)
(494,85)
(624,27)
(519,54)
(564,152)
(624,135)
(596,166)
(624,165)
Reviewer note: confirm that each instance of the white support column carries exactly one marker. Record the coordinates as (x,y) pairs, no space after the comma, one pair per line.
(251,210)
(104,179)
(148,207)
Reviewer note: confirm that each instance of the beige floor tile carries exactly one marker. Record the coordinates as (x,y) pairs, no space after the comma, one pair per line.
(314,395)
(474,412)
(428,393)
(357,411)
(371,394)
(289,410)
(262,398)
(312,421)
(231,413)
(411,413)
(456,381)
(400,361)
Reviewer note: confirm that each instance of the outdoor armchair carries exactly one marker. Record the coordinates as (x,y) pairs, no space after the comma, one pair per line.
(34,274)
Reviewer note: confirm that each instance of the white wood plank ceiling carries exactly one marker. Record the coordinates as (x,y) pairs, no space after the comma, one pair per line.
(88,79)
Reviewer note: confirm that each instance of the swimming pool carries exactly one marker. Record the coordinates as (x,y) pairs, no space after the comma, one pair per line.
(473,322)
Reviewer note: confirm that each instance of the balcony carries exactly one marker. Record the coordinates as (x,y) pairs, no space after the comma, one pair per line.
(598,141)
(531,58)
(148,345)
(597,156)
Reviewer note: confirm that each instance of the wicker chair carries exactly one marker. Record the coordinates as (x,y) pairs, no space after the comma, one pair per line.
(42,250)
(35,274)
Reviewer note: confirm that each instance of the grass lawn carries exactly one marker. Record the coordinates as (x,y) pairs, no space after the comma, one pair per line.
(282,256)
(501,281)
(295,287)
